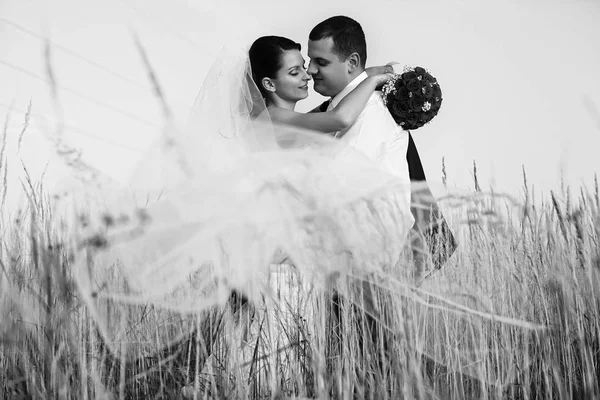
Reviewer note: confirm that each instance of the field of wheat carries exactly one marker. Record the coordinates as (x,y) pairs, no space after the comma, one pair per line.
(513,314)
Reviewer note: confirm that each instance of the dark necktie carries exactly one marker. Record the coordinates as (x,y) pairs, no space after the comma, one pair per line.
(323,107)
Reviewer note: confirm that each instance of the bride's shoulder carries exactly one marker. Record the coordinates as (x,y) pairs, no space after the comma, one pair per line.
(280,115)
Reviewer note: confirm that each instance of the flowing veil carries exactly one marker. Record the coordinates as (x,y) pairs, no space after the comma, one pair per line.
(229,193)
(227,122)
(210,209)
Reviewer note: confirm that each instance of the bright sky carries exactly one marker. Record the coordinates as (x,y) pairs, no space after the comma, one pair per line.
(520,78)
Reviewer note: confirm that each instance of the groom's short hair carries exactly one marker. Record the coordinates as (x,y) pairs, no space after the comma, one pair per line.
(347,35)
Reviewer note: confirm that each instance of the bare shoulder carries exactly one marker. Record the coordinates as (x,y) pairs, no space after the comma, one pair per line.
(278,112)
(281,115)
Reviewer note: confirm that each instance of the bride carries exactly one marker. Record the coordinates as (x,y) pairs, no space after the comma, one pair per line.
(278,71)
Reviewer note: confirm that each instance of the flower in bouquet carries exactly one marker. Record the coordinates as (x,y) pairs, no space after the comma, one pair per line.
(413,98)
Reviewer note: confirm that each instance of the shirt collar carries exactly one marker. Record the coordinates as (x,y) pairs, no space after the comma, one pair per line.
(350,87)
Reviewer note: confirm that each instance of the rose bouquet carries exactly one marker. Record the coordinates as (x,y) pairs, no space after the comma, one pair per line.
(413,98)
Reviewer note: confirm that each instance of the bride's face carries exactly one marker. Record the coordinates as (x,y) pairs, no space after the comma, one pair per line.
(291,82)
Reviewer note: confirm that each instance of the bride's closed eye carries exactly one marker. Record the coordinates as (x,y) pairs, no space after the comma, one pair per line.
(303,67)
(296,71)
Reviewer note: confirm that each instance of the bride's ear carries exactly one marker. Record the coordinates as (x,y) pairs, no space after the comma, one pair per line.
(353,61)
(268,84)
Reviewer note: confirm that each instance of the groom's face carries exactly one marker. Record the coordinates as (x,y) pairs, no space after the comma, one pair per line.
(328,70)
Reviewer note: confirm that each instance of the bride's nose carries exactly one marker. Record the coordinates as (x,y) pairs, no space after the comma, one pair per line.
(307,76)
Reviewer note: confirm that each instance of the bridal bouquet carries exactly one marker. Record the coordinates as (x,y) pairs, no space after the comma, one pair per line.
(413,98)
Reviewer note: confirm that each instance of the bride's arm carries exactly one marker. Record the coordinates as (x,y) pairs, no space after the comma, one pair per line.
(341,117)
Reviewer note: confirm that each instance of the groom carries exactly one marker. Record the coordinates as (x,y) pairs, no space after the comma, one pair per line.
(338,52)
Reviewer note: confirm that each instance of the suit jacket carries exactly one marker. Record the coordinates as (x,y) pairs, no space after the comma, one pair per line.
(430,223)
(430,229)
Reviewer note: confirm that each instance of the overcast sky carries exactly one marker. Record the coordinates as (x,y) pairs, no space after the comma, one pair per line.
(520,79)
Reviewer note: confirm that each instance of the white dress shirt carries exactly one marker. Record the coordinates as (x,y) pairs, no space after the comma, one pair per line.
(376,134)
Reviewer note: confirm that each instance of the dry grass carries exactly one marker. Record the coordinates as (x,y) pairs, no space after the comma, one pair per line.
(540,266)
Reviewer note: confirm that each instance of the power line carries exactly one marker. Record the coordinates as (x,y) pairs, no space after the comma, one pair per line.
(75,54)
(75,129)
(81,95)
(79,56)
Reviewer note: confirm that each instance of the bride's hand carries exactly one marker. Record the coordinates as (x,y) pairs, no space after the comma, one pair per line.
(381,79)
(383,69)
(395,66)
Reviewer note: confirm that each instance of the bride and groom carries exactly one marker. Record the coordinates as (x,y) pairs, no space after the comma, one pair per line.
(358,120)
(251,182)
(355,114)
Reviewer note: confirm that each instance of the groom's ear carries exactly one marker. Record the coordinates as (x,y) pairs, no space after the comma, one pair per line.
(353,61)
(268,84)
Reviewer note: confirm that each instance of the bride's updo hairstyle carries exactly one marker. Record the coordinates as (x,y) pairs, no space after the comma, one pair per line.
(265,57)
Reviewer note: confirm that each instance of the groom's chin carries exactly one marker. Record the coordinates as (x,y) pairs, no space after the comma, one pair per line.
(320,88)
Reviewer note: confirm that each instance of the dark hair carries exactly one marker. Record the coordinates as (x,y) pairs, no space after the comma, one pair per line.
(265,57)
(347,34)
